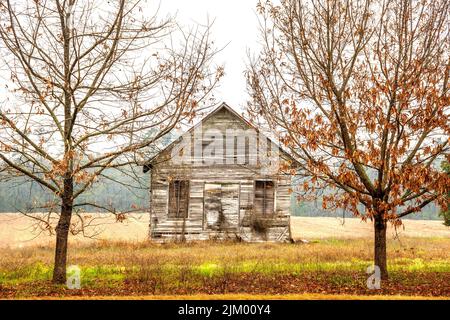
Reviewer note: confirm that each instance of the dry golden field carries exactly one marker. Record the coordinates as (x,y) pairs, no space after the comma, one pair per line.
(418,267)
(353,228)
(331,265)
(16,230)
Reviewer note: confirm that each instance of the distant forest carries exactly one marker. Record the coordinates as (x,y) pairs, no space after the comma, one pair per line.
(22,195)
(314,209)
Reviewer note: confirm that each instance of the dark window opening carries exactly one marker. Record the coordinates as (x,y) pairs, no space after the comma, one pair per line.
(178,198)
(264,198)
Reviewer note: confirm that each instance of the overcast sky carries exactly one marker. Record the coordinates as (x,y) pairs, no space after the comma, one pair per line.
(235,26)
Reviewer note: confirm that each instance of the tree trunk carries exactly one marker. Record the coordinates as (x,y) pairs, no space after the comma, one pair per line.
(380,246)
(62,233)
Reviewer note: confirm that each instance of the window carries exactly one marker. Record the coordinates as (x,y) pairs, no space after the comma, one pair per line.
(178,198)
(264,197)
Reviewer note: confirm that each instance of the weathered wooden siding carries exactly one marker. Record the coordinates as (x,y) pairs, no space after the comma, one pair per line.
(221,206)
(227,187)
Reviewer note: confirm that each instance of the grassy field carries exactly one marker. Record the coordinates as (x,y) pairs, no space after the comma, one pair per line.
(332,265)
(16,231)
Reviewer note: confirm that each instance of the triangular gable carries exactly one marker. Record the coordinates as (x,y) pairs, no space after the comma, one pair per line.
(148,164)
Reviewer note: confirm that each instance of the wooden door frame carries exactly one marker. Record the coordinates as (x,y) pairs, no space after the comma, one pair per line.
(222,182)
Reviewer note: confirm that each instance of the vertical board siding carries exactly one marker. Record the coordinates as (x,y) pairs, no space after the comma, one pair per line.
(213,205)
(222,206)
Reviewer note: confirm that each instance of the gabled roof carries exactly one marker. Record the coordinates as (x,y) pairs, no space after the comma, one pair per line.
(148,164)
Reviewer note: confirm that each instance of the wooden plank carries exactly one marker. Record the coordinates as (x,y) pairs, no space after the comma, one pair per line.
(213,205)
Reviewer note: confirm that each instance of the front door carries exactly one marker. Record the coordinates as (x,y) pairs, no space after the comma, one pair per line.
(221,206)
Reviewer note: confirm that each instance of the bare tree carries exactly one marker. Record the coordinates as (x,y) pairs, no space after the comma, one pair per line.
(359,91)
(91,84)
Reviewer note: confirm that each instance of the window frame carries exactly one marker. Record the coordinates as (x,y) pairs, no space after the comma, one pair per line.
(177,217)
(264,214)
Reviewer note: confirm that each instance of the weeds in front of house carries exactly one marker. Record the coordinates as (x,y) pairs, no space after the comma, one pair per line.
(330,266)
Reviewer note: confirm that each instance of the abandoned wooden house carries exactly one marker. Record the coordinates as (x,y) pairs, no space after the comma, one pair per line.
(220,179)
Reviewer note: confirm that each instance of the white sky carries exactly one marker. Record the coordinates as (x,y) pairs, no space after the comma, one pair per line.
(236,26)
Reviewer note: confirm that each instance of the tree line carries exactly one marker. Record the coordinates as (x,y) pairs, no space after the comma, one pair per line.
(22,195)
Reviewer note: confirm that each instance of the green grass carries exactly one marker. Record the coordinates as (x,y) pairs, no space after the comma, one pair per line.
(33,272)
(112,273)
(145,268)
